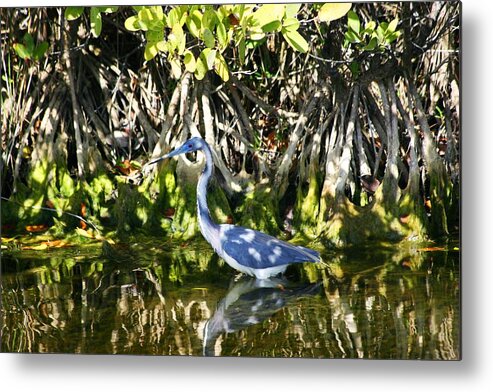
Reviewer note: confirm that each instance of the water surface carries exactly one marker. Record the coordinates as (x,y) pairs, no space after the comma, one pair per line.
(147,297)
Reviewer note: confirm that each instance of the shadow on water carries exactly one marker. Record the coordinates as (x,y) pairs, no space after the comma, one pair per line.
(153,300)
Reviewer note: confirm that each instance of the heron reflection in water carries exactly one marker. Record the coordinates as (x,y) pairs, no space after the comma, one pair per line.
(249,302)
(248,251)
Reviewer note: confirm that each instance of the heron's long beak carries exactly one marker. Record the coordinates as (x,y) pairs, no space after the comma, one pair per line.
(173,153)
(157,160)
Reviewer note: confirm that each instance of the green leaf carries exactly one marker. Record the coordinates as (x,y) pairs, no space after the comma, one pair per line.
(145,15)
(208,38)
(272,26)
(220,67)
(351,37)
(154,36)
(333,11)
(240,10)
(296,41)
(184,14)
(21,51)
(176,68)
(257,35)
(392,37)
(174,16)
(157,12)
(245,23)
(392,25)
(189,61)
(40,50)
(96,22)
(268,13)
(194,23)
(290,24)
(131,24)
(201,68)
(155,44)
(380,32)
(164,46)
(292,10)
(29,42)
(355,68)
(353,22)
(222,35)
(372,44)
(142,25)
(242,50)
(151,18)
(370,26)
(150,51)
(224,11)
(210,56)
(72,13)
(179,35)
(209,20)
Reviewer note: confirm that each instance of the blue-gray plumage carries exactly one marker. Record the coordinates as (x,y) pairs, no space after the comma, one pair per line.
(246,250)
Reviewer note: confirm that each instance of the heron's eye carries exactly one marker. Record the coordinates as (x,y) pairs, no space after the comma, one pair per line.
(190,146)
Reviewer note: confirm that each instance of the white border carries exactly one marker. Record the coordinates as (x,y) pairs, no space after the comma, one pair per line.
(474,373)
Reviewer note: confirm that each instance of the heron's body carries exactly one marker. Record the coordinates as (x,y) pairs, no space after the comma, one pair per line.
(249,251)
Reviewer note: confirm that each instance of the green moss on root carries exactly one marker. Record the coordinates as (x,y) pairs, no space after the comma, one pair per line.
(307,208)
(259,211)
(345,224)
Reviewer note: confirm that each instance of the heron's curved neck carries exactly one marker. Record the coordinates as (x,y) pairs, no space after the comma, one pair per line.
(205,221)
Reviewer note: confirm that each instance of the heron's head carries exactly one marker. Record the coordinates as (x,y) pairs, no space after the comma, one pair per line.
(194,144)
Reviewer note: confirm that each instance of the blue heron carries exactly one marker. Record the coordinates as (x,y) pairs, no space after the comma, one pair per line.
(248,251)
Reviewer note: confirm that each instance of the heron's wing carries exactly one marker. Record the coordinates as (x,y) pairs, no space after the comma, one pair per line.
(254,249)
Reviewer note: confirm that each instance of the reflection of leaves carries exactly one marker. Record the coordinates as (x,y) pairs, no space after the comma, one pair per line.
(36,228)
(83,232)
(431,249)
(48,244)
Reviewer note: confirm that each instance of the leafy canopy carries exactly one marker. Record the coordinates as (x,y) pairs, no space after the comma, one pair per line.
(195,37)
